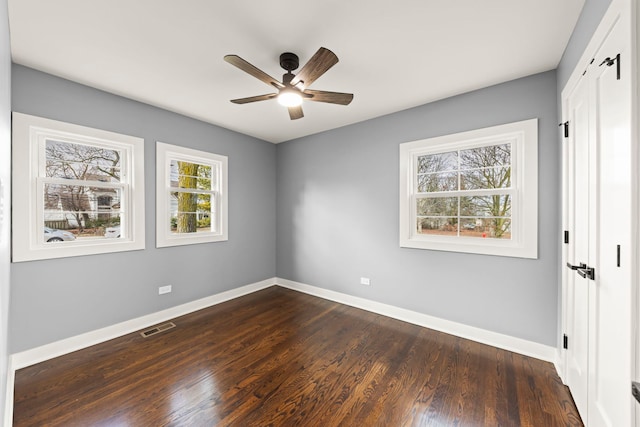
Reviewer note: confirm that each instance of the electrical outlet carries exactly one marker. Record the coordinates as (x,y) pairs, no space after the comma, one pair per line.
(365,281)
(164,289)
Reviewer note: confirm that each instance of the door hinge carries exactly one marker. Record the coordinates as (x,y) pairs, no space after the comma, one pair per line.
(566,236)
(566,128)
(608,61)
(565,341)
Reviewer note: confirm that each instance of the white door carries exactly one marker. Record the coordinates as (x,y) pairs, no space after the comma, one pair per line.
(598,193)
(610,343)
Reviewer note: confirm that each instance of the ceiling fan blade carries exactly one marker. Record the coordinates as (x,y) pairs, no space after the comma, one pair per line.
(330,97)
(295,113)
(319,63)
(254,98)
(254,71)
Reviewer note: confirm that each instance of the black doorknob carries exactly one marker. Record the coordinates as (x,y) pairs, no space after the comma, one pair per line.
(575,267)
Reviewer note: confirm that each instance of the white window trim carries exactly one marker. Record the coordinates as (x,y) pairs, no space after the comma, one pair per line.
(29,133)
(524,241)
(164,154)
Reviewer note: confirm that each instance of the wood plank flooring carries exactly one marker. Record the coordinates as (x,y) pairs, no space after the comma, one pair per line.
(282,358)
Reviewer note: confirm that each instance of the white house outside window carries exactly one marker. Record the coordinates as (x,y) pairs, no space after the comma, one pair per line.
(191,196)
(472,192)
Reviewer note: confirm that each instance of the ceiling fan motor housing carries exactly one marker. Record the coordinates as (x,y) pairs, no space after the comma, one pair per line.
(289,61)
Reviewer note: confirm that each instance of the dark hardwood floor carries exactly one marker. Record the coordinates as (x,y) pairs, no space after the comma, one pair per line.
(282,358)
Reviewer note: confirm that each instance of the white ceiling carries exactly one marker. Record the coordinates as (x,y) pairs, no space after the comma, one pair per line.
(393,55)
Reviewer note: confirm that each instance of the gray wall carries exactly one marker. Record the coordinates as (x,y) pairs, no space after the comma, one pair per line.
(56,299)
(338,216)
(5,186)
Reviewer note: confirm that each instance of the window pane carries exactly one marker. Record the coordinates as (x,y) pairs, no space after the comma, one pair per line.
(496,205)
(184,222)
(190,212)
(84,162)
(494,228)
(435,182)
(444,226)
(492,155)
(191,175)
(438,162)
(87,212)
(437,206)
(477,179)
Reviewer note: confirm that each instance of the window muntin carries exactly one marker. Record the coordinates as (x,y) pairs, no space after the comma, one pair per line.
(191,196)
(471,192)
(75,183)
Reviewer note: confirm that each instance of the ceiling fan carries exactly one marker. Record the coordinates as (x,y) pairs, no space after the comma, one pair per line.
(293,88)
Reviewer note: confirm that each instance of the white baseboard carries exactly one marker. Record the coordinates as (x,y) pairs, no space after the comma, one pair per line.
(559,364)
(68,345)
(506,342)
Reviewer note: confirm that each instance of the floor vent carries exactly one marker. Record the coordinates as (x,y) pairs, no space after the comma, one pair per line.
(157,329)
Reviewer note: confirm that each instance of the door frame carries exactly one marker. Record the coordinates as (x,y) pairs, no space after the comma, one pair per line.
(578,176)
(635,176)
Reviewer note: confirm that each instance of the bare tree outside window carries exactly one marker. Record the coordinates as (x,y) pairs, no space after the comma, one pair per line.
(472,173)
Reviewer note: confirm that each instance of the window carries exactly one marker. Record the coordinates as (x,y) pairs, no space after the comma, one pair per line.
(472,192)
(191,196)
(72,184)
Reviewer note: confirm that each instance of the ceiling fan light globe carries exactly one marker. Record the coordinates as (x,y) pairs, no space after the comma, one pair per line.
(289,98)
